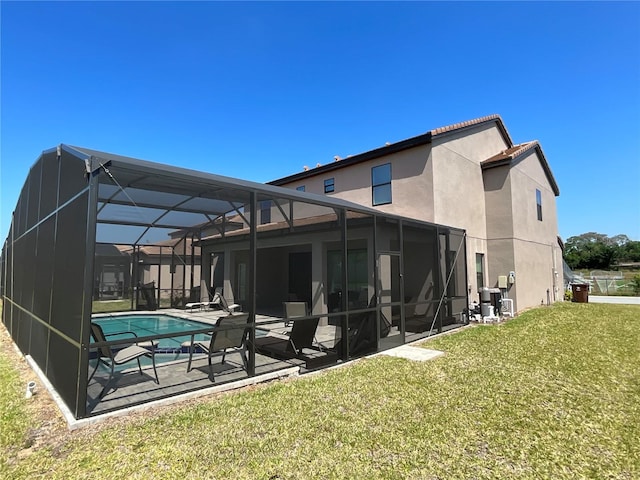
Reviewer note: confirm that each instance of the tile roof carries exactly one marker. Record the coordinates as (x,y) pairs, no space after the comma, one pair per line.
(510,154)
(423,139)
(470,123)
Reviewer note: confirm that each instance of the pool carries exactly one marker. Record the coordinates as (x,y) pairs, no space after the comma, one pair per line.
(145,325)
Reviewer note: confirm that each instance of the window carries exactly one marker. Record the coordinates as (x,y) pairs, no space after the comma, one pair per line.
(265,212)
(480,269)
(329,185)
(300,188)
(539,203)
(381,184)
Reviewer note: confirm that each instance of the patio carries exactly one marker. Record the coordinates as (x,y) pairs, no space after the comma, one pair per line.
(133,389)
(130,388)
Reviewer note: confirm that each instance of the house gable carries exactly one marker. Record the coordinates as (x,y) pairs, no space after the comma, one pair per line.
(457,176)
(476,142)
(511,156)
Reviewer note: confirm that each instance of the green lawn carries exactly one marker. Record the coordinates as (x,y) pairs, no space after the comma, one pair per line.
(554,394)
(111,306)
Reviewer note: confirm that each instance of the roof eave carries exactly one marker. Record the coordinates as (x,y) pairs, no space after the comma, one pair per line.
(425,138)
(412,142)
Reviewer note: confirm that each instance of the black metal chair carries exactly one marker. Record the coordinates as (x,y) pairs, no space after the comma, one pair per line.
(302,336)
(110,358)
(230,333)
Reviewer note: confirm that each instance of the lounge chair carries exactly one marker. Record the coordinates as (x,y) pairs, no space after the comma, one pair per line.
(220,301)
(230,333)
(362,331)
(205,298)
(110,358)
(301,336)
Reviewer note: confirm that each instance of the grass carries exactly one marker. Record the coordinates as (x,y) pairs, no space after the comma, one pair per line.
(111,306)
(13,415)
(554,393)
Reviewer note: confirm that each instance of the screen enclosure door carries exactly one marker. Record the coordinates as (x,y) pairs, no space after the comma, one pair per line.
(391,321)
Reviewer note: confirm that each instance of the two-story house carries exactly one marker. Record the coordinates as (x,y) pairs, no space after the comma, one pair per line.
(472,176)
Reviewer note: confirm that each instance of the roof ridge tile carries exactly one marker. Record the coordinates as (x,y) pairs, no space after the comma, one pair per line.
(466,123)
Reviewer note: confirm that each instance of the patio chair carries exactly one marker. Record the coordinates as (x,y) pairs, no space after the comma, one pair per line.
(230,333)
(110,358)
(293,310)
(205,297)
(302,336)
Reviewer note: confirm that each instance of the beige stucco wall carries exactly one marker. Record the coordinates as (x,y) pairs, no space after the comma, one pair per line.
(499,221)
(527,175)
(532,264)
(499,202)
(534,273)
(517,240)
(475,143)
(411,183)
(538,257)
(457,178)
(459,199)
(501,261)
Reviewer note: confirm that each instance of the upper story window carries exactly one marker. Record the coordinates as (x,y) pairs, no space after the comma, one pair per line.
(539,203)
(381,184)
(265,212)
(329,185)
(300,188)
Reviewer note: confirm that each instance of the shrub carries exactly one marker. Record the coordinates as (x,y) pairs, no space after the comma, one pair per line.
(635,284)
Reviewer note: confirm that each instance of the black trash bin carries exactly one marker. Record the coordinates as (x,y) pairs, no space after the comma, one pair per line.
(580,292)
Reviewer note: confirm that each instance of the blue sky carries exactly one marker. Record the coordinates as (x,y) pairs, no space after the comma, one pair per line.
(258,90)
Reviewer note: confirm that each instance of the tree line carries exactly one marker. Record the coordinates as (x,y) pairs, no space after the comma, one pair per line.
(595,251)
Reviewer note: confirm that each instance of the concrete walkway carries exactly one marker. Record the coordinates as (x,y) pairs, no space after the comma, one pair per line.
(410,352)
(612,299)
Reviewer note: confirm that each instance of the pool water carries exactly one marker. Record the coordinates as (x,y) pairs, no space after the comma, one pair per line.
(149,325)
(144,325)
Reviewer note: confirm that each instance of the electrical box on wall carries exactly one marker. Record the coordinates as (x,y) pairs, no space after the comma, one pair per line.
(502,281)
